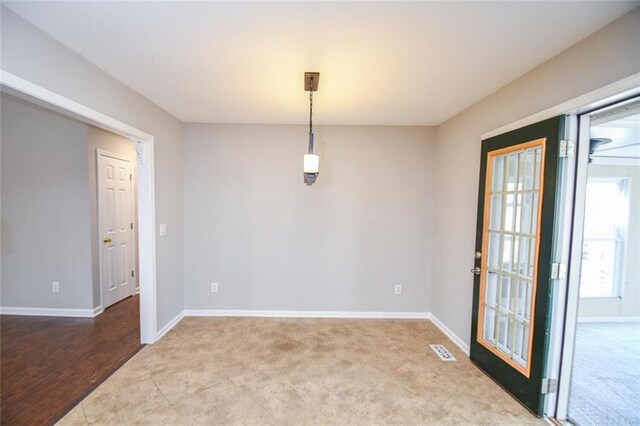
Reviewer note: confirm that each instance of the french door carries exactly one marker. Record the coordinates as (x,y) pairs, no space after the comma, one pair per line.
(514,244)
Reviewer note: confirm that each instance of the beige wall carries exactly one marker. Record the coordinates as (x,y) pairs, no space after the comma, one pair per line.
(49,206)
(273,243)
(116,144)
(45,209)
(607,56)
(629,303)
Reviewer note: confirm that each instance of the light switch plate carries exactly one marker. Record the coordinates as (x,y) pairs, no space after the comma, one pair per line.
(163,229)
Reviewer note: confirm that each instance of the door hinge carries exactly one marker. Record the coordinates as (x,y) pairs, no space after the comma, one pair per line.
(549,386)
(132,274)
(130,176)
(131,225)
(567,149)
(558,271)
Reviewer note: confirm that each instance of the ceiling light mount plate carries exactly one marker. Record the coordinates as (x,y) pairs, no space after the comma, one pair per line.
(311,80)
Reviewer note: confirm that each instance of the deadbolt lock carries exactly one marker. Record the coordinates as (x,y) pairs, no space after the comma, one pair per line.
(476,270)
(106,240)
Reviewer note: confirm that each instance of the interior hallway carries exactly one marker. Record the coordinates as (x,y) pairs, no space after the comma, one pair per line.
(50,363)
(259,371)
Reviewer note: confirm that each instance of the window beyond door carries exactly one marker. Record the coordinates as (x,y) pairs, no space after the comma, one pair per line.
(605,223)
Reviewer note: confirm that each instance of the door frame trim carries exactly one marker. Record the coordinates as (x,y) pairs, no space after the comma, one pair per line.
(573,278)
(130,160)
(601,97)
(144,144)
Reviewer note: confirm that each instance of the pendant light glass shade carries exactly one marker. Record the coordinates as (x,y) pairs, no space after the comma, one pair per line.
(311,163)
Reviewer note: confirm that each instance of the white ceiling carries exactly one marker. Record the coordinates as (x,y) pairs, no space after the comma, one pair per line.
(409,63)
(624,132)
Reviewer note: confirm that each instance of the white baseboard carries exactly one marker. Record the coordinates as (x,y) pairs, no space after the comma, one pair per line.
(608,319)
(97,311)
(50,312)
(164,330)
(304,314)
(450,334)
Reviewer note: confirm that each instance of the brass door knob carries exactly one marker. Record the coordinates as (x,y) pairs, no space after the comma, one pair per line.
(106,240)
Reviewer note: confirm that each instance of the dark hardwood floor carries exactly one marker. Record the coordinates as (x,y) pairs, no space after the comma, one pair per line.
(49,364)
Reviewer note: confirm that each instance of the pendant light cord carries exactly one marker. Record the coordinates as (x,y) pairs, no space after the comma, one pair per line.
(311,118)
(311,108)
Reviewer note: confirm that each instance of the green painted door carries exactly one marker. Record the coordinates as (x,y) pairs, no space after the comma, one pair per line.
(514,245)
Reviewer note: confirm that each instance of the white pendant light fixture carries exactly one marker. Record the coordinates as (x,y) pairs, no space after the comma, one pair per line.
(311,161)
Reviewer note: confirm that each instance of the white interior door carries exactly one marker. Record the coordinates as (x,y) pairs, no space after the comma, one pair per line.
(115,227)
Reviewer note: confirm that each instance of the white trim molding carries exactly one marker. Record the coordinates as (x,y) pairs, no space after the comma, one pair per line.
(305,314)
(51,312)
(70,107)
(450,334)
(608,319)
(168,326)
(613,92)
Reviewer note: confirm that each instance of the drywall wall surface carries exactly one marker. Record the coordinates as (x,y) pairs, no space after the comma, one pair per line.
(628,304)
(45,209)
(606,56)
(342,244)
(33,55)
(99,139)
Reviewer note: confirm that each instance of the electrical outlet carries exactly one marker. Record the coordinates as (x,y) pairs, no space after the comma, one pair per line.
(397,289)
(214,287)
(55,286)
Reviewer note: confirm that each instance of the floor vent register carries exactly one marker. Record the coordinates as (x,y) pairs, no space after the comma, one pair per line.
(443,353)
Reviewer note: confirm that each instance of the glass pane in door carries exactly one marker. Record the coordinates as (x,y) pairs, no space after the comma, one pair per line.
(510,246)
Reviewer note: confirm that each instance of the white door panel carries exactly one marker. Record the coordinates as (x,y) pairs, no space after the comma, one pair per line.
(115,218)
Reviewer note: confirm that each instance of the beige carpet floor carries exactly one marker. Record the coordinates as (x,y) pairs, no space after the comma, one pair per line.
(265,371)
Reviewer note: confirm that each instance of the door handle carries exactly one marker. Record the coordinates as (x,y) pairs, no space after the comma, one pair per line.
(106,240)
(476,270)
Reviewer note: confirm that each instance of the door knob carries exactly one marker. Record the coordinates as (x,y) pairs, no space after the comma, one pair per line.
(106,240)
(476,270)
(477,255)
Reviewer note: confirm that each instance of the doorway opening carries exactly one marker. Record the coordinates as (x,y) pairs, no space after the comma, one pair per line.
(57,335)
(144,146)
(600,379)
(544,388)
